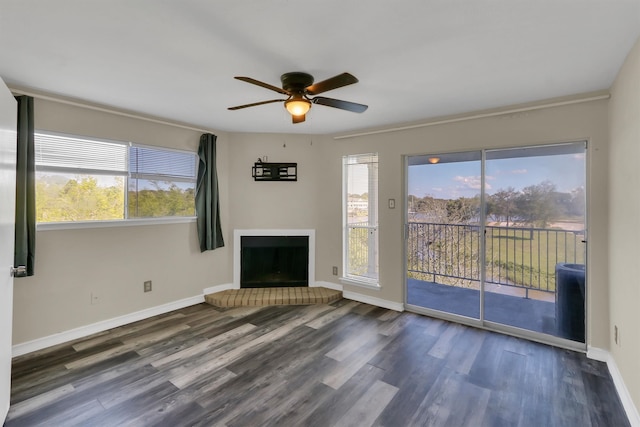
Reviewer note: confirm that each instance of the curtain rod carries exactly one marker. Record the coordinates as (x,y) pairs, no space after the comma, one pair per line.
(18,91)
(477,116)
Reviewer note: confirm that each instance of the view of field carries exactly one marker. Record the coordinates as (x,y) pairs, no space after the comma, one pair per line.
(528,233)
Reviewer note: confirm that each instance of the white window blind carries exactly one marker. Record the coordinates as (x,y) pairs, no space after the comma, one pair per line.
(78,154)
(152,163)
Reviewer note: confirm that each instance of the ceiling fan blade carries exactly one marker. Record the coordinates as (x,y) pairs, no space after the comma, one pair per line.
(263,84)
(337,103)
(335,82)
(255,103)
(298,119)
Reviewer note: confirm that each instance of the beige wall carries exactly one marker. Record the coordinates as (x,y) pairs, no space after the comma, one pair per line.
(624,211)
(275,205)
(114,262)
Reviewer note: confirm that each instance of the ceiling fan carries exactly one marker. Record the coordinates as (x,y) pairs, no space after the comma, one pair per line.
(299,87)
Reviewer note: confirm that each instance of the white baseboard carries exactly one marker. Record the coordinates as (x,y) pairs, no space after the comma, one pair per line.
(218,288)
(598,354)
(629,407)
(328,285)
(83,331)
(396,306)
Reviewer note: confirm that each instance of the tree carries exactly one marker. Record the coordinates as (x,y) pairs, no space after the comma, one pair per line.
(536,204)
(502,205)
(462,210)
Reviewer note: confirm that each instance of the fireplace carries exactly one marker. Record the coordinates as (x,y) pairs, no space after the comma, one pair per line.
(274,261)
(273,258)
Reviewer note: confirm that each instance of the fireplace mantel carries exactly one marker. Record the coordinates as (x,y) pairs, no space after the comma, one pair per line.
(238,233)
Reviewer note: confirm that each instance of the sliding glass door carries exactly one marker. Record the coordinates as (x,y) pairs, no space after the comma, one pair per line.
(443,216)
(499,236)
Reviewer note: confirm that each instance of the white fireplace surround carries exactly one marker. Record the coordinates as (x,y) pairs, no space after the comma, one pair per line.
(237,234)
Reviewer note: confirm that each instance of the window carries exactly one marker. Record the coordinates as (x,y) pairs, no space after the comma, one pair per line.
(83,179)
(360,207)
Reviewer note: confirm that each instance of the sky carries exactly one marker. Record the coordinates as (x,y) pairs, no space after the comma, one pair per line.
(462,179)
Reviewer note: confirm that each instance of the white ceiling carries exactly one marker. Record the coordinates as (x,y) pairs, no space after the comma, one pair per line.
(415,59)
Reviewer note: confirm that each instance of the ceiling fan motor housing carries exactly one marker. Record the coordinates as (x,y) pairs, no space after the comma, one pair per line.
(296,82)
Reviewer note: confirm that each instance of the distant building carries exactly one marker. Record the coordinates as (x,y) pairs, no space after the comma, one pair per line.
(357,204)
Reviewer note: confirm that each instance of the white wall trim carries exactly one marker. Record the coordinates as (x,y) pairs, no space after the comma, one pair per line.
(237,233)
(111,110)
(396,306)
(465,117)
(629,407)
(598,354)
(83,331)
(328,285)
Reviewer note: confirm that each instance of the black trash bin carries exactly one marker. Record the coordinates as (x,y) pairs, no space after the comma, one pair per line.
(570,301)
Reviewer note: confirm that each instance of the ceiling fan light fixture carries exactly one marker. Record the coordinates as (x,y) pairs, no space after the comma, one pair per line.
(297,106)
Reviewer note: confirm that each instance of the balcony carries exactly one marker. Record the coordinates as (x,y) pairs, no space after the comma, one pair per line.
(444,267)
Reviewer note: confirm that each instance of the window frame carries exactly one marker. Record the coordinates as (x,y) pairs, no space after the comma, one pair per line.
(373,209)
(126,221)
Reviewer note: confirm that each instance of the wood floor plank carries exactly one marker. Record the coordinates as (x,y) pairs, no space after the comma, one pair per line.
(73,415)
(344,363)
(348,367)
(132,408)
(204,345)
(339,402)
(505,405)
(128,345)
(332,315)
(446,341)
(442,404)
(56,377)
(465,350)
(353,340)
(123,331)
(40,400)
(367,409)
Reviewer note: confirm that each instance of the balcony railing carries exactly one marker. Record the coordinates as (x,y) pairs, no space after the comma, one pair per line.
(518,257)
(362,251)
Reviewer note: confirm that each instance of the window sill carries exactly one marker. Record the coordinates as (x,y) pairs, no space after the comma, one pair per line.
(74,225)
(364,283)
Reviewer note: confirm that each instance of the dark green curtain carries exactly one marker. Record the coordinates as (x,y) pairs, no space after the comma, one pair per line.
(25,236)
(207,196)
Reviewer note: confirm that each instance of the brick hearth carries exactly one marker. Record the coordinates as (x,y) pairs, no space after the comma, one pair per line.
(273,296)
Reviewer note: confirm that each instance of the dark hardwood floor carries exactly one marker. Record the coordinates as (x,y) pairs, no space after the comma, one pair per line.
(344,364)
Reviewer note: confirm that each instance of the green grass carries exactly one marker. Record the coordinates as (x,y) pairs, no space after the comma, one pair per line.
(528,258)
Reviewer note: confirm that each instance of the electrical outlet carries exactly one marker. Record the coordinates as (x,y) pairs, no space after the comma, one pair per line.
(94,298)
(147,286)
(335,270)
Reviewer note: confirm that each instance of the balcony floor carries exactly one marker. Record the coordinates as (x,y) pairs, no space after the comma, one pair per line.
(526,313)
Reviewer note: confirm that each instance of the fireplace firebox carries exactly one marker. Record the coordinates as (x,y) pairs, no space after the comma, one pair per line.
(274,261)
